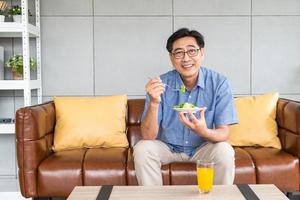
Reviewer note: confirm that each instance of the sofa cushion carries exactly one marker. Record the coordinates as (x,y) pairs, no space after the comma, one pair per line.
(90,122)
(183,173)
(135,110)
(257,125)
(274,166)
(60,173)
(244,167)
(134,135)
(105,166)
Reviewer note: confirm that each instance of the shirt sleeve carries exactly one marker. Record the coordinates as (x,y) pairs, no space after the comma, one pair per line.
(225,111)
(159,117)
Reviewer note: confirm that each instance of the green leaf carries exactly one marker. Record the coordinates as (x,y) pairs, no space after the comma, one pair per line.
(184,105)
(16,63)
(16,10)
(182,89)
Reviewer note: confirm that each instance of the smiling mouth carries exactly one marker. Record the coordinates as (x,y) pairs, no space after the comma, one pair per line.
(187,66)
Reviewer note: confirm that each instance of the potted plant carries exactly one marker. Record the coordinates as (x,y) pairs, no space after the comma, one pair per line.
(16,12)
(3,6)
(16,65)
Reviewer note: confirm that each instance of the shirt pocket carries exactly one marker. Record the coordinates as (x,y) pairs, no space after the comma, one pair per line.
(209,118)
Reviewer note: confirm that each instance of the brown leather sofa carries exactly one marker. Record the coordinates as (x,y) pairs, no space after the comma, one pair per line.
(43,173)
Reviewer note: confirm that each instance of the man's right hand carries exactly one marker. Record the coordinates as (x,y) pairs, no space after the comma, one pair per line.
(154,89)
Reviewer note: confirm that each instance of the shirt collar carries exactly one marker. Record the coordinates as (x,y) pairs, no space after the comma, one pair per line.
(201,78)
(200,82)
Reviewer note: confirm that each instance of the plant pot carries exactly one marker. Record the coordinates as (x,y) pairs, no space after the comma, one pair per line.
(2,18)
(17,76)
(17,18)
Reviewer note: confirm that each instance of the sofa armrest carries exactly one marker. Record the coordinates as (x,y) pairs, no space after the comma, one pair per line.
(288,121)
(34,139)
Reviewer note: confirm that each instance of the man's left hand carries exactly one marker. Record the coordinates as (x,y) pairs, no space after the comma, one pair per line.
(197,125)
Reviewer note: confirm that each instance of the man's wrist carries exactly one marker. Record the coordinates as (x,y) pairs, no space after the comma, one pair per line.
(205,133)
(153,104)
(208,132)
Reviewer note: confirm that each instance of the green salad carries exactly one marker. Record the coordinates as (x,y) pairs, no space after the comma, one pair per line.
(185,105)
(182,89)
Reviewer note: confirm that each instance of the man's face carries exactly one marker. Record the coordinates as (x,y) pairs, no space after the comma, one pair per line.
(187,64)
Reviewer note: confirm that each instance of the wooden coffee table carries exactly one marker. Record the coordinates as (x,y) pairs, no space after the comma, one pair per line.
(186,192)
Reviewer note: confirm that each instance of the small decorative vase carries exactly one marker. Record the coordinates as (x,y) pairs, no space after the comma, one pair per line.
(17,18)
(2,18)
(17,76)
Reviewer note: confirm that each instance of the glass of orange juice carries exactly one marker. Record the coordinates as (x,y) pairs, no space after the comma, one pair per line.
(205,175)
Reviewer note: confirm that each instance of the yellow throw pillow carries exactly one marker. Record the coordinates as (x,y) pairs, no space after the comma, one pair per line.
(90,122)
(257,125)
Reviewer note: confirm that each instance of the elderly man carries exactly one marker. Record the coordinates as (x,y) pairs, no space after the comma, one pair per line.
(169,136)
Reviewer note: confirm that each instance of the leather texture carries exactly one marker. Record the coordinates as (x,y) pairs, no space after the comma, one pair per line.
(244,167)
(105,166)
(288,121)
(60,173)
(34,139)
(271,163)
(43,173)
(183,173)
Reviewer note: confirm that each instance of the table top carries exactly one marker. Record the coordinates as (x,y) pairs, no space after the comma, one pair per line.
(174,192)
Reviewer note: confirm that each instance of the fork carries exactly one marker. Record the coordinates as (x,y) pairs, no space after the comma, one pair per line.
(173,89)
(170,87)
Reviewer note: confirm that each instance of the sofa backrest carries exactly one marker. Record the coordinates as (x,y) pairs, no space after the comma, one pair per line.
(135,110)
(288,122)
(136,107)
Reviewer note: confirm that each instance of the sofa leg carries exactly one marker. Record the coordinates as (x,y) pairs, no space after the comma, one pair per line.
(289,195)
(294,196)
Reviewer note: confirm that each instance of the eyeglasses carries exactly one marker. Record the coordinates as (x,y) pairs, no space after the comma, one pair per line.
(180,54)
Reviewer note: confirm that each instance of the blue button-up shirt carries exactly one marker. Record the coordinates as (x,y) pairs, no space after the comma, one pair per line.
(212,91)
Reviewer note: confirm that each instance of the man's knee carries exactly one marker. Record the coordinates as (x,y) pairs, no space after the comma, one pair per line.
(223,152)
(143,149)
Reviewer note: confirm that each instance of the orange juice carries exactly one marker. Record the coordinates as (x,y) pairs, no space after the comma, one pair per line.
(205,177)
